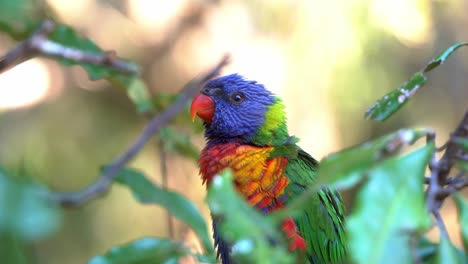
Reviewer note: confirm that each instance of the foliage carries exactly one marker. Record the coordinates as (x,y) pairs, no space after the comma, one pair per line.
(26,215)
(145,250)
(390,103)
(250,232)
(390,208)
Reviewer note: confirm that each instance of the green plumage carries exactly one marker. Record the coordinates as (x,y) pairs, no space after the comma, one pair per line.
(322,222)
(245,115)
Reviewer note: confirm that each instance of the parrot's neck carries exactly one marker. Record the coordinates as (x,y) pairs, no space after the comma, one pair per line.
(273,131)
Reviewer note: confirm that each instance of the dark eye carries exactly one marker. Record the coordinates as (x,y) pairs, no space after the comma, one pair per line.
(237,98)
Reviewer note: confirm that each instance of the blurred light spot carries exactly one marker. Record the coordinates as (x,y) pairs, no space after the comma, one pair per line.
(82,80)
(409,21)
(154,16)
(262,61)
(71,11)
(24,85)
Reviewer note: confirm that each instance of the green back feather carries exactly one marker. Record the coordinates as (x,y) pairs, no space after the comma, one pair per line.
(322,223)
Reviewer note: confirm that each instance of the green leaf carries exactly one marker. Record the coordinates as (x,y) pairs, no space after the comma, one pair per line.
(443,56)
(148,193)
(68,37)
(447,253)
(462,208)
(389,208)
(26,211)
(427,251)
(143,251)
(393,101)
(11,249)
(347,167)
(177,142)
(134,86)
(163,100)
(18,18)
(248,231)
(463,165)
(137,91)
(463,142)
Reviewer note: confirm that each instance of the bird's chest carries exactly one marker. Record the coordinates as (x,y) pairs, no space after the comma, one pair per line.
(260,179)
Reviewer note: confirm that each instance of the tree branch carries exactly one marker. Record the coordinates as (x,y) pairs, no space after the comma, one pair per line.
(102,184)
(39,44)
(440,223)
(440,186)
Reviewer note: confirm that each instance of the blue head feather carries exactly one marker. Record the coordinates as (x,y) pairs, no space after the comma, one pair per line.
(236,121)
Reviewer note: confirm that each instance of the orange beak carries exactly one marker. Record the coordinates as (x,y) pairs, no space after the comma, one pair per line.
(203,107)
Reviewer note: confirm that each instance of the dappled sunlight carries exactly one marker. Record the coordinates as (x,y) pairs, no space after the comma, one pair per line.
(409,21)
(26,85)
(72,11)
(327,60)
(154,16)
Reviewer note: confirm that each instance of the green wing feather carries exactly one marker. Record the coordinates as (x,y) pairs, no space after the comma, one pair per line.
(322,223)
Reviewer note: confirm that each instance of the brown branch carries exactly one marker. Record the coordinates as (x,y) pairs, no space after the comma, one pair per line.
(440,223)
(440,186)
(39,44)
(452,188)
(102,184)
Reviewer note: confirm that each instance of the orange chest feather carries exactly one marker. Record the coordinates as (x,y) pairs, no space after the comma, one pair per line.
(258,178)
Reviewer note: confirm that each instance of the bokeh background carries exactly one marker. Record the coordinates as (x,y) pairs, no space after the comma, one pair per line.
(328,60)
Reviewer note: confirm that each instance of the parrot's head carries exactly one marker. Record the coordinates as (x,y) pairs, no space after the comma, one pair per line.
(238,110)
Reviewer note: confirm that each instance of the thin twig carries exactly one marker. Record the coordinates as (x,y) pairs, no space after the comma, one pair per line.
(452,188)
(440,186)
(102,184)
(165,184)
(39,44)
(440,224)
(448,181)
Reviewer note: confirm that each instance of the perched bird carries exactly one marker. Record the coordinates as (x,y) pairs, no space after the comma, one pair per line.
(245,129)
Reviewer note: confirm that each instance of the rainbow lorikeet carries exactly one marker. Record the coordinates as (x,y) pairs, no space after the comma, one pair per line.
(245,128)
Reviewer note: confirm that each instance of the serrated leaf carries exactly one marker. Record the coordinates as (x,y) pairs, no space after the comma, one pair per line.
(148,193)
(447,253)
(25,210)
(390,207)
(143,251)
(393,101)
(462,208)
(347,167)
(177,142)
(255,238)
(443,56)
